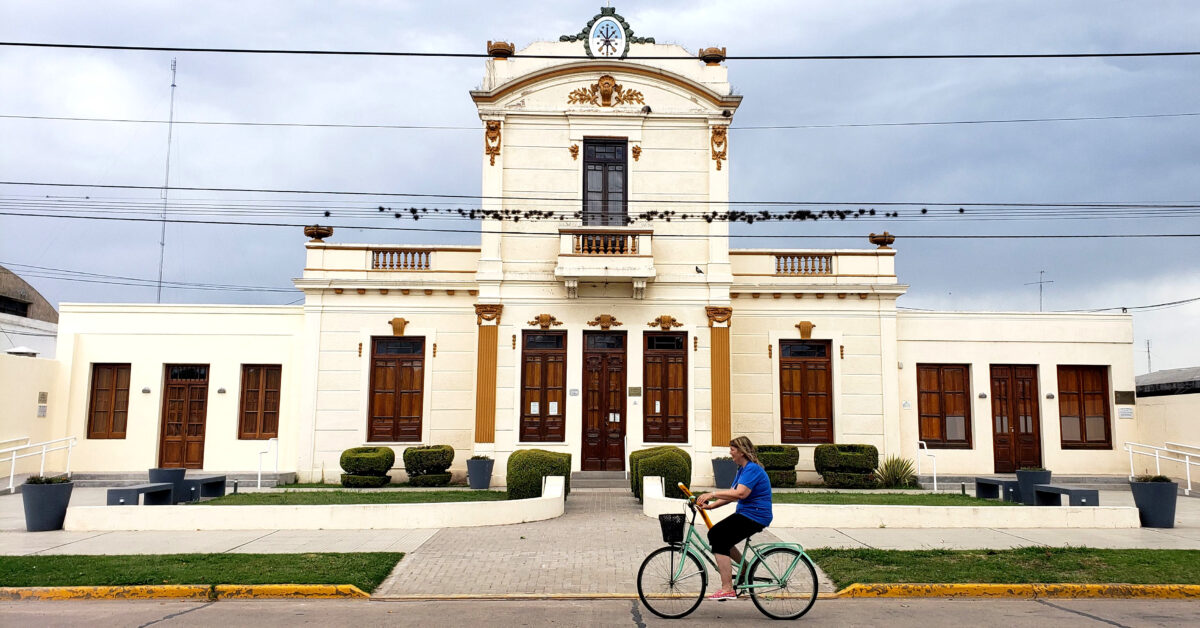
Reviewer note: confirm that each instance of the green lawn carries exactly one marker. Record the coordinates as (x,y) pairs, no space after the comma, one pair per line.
(335,485)
(363,570)
(1027,565)
(297,498)
(886,499)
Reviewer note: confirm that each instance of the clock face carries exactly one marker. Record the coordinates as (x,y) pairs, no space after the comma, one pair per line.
(607,38)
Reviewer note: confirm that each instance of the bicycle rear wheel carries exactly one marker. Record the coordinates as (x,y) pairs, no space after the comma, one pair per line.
(663,593)
(784,599)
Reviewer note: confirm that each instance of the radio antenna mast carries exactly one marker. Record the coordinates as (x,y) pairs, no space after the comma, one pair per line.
(162,238)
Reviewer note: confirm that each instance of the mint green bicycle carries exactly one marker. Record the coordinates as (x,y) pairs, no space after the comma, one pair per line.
(779,577)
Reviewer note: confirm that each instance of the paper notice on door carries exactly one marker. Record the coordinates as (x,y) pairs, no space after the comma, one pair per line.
(657,406)
(553,407)
(533,407)
(614,417)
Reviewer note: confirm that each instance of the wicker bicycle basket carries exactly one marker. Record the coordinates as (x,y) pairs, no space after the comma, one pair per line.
(672,527)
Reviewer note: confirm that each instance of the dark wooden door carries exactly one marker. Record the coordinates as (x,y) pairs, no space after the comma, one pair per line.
(397,389)
(603,401)
(664,383)
(185,411)
(806,391)
(543,386)
(1016,423)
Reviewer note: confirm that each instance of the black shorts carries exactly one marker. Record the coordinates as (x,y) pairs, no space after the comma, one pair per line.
(730,531)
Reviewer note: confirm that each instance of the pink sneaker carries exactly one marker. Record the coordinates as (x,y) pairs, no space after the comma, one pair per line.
(721,595)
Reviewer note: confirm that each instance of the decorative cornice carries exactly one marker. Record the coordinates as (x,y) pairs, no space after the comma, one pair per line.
(545,321)
(491,140)
(605,321)
(720,144)
(605,92)
(487,312)
(398,325)
(666,322)
(717,314)
(722,101)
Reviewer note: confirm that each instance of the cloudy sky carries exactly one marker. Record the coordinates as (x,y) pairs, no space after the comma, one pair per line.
(846,151)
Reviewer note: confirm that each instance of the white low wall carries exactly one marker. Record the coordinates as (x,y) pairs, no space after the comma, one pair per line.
(331,517)
(862,516)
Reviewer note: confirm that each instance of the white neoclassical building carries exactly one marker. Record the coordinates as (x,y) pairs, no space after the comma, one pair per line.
(593,325)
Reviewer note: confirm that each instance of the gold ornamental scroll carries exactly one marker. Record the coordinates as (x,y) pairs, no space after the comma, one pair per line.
(718,323)
(487,316)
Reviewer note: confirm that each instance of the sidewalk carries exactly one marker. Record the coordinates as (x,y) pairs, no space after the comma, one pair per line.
(593,549)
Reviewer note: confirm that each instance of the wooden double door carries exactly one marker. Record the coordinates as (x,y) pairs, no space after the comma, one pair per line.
(1016,423)
(604,375)
(184,414)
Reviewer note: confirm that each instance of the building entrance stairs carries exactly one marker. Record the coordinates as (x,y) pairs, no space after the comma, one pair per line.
(599,479)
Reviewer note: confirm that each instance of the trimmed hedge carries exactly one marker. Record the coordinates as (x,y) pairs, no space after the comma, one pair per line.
(778,457)
(672,464)
(835,479)
(427,460)
(367,460)
(846,459)
(635,458)
(782,478)
(430,479)
(527,467)
(365,481)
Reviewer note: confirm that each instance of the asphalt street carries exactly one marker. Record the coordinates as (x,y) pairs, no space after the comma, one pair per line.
(926,613)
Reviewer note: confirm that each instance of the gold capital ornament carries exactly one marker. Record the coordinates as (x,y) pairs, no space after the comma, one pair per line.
(665,322)
(491,140)
(487,312)
(720,144)
(605,321)
(545,321)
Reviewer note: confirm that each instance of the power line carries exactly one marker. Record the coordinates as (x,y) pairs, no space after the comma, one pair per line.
(1142,308)
(432,127)
(698,236)
(480,55)
(46,272)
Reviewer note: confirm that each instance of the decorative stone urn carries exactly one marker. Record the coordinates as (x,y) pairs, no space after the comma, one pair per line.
(317,232)
(712,55)
(882,239)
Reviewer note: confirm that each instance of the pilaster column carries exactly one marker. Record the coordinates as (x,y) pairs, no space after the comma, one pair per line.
(718,323)
(487,316)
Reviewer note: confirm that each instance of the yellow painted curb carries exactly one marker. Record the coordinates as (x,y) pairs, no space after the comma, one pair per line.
(169,591)
(310,591)
(1155,591)
(185,592)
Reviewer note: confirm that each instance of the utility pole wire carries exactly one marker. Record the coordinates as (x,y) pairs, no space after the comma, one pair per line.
(162,238)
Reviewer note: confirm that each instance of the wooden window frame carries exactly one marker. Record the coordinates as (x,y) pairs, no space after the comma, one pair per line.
(604,219)
(544,409)
(647,351)
(943,443)
(1078,369)
(808,439)
(259,433)
(110,433)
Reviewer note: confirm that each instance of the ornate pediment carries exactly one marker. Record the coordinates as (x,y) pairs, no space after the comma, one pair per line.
(605,92)
(665,322)
(545,321)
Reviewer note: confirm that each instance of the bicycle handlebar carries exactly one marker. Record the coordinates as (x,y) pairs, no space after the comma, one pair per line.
(692,504)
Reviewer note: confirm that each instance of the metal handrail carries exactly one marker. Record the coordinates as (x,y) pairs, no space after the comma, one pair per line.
(270,441)
(45,448)
(1157,452)
(13,440)
(921,445)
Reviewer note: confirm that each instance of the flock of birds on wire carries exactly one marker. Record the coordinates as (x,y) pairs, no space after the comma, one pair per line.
(751,217)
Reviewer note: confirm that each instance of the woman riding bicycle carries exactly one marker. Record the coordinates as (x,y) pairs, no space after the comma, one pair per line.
(752,492)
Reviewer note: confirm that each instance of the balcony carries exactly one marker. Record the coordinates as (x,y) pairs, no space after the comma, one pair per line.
(850,270)
(611,254)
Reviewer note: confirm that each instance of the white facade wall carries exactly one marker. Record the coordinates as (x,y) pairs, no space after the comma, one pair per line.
(22,380)
(1166,419)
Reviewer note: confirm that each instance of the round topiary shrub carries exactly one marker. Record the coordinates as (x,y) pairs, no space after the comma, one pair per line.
(368,460)
(672,464)
(427,460)
(365,481)
(527,467)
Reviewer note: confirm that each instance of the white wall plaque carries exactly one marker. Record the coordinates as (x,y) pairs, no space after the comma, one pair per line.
(1124,413)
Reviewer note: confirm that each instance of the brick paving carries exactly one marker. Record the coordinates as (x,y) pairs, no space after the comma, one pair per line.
(596,547)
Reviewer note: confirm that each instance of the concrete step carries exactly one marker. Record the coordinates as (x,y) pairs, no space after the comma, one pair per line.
(599,479)
(620,475)
(246,479)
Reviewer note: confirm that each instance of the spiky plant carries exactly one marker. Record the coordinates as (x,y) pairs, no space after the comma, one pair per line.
(896,472)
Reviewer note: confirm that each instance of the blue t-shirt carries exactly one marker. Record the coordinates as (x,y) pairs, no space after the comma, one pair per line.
(757,505)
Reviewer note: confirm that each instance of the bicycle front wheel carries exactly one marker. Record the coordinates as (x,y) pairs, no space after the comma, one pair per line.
(671,582)
(778,597)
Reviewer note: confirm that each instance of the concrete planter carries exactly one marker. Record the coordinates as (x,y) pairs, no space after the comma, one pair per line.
(723,472)
(46,505)
(479,473)
(1025,482)
(1155,502)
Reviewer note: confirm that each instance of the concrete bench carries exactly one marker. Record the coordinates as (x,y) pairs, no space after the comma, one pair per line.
(156,494)
(196,487)
(1050,495)
(992,488)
